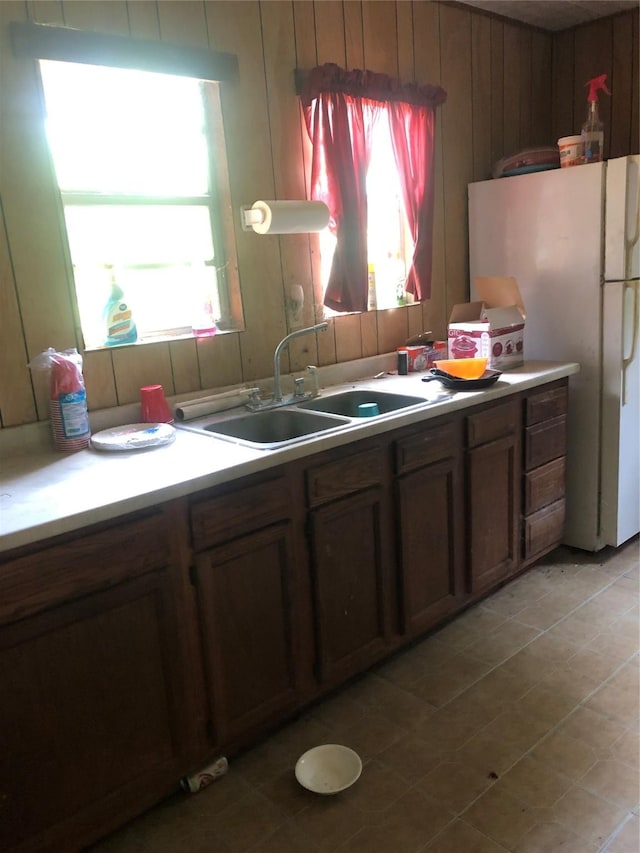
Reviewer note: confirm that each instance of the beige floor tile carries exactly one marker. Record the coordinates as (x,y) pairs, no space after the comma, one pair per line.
(378,786)
(546,612)
(626,749)
(553,838)
(339,712)
(456,785)
(503,642)
(329,821)
(286,839)
(527,666)
(473,623)
(586,814)
(490,756)
(597,614)
(613,781)
(570,683)
(517,727)
(286,793)
(618,698)
(460,837)
(404,827)
(627,838)
(248,822)
(410,757)
(502,817)
(575,629)
(617,645)
(616,601)
(536,784)
(593,663)
(492,694)
(597,731)
(395,703)
(372,734)
(548,705)
(447,730)
(441,685)
(550,648)
(566,754)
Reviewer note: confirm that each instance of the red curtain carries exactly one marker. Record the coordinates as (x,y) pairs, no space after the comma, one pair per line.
(340,110)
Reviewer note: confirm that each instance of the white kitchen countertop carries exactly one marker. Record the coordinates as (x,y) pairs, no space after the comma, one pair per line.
(44,492)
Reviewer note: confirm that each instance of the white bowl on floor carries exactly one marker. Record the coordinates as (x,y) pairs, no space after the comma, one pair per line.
(328,769)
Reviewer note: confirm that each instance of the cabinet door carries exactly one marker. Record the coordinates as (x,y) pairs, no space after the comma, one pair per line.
(493,473)
(430,525)
(89,715)
(245,599)
(350,559)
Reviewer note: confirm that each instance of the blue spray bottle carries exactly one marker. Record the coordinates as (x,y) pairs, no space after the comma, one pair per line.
(118,317)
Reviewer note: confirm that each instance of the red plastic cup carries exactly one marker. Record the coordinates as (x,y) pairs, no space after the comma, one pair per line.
(154,408)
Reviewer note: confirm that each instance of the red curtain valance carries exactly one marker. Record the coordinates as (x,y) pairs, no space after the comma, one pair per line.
(367,84)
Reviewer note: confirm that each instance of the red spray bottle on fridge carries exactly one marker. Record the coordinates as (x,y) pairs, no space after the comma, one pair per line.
(593,129)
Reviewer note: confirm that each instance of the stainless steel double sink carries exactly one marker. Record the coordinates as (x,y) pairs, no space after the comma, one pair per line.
(275,428)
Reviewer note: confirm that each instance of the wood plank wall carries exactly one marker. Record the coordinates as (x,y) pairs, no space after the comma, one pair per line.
(499,77)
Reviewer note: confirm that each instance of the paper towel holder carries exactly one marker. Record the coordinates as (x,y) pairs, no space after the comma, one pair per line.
(253,216)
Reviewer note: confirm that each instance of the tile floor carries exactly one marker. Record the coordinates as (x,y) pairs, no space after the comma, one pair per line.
(513,728)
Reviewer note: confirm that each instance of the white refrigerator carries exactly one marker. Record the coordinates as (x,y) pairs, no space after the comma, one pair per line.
(570,238)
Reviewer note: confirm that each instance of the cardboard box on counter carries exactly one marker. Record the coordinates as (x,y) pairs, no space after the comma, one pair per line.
(492,327)
(423,357)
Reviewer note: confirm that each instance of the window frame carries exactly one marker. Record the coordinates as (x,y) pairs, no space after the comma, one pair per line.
(42,41)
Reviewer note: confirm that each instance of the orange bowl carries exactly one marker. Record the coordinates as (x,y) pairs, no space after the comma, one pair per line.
(463,368)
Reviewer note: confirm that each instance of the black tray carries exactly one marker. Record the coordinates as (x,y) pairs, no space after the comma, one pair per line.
(457,384)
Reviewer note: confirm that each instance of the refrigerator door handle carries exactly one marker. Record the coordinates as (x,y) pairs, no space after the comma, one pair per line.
(630,242)
(635,319)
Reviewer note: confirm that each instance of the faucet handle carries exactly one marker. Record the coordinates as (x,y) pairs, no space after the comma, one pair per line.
(298,387)
(312,370)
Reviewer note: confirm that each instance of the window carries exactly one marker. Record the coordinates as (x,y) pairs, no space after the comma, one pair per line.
(140,184)
(389,243)
(372,164)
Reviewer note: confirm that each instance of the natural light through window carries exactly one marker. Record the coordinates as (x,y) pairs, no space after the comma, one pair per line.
(133,163)
(389,244)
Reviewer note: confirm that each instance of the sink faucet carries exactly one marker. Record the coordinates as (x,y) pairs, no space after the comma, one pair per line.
(277,392)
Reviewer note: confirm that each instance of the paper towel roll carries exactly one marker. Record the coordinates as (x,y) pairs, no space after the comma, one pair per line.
(190,409)
(290,217)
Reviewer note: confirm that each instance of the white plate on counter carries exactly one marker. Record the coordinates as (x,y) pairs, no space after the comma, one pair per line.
(133,437)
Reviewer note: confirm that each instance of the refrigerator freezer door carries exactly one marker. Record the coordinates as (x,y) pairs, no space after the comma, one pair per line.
(622,223)
(620,472)
(546,229)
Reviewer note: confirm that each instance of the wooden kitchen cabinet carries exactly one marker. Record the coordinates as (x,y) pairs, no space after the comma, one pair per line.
(244,579)
(544,470)
(430,523)
(493,495)
(351,560)
(93,723)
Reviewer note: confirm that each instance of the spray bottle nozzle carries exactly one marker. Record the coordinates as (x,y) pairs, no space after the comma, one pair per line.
(595,85)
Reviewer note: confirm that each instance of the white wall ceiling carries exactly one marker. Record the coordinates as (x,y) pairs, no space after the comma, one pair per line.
(554,15)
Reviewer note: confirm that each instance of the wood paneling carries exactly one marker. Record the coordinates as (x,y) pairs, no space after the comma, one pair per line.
(457,150)
(508,88)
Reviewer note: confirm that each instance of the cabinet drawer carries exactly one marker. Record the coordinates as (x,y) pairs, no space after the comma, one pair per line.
(81,566)
(544,485)
(550,403)
(543,530)
(497,422)
(544,442)
(344,476)
(431,444)
(222,518)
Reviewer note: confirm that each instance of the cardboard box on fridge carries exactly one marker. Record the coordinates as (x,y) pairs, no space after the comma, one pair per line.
(492,327)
